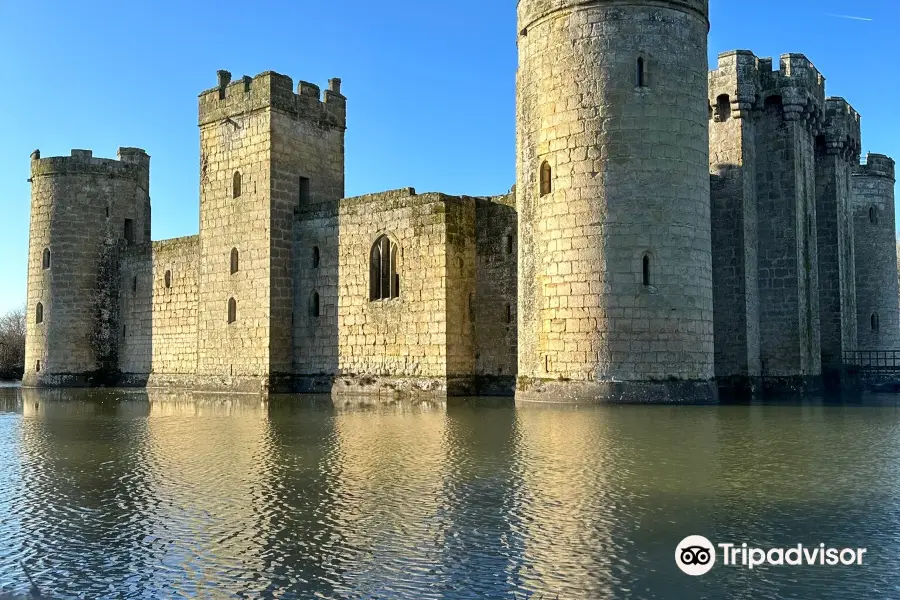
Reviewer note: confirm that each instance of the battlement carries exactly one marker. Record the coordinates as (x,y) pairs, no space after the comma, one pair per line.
(877,165)
(273,90)
(530,11)
(737,77)
(797,81)
(842,129)
(133,163)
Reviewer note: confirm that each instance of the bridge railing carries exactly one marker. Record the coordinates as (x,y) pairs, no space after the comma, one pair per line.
(873,360)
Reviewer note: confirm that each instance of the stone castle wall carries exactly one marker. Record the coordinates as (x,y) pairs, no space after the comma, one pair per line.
(495,334)
(626,145)
(400,342)
(158,299)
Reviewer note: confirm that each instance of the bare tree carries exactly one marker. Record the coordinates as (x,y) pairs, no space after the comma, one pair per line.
(12,344)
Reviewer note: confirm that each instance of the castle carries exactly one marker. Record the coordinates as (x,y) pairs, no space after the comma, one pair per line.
(672,231)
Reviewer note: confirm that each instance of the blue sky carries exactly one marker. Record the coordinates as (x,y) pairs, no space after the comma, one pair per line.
(430,85)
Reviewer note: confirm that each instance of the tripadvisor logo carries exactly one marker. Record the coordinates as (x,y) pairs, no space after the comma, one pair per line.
(696,555)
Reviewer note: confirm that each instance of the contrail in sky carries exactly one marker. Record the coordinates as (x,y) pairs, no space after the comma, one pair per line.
(849,17)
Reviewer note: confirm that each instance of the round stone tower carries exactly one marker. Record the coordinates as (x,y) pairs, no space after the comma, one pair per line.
(875,238)
(84,211)
(612,183)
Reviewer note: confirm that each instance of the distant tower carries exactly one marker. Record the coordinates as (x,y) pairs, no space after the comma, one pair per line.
(876,259)
(83,211)
(267,153)
(615,266)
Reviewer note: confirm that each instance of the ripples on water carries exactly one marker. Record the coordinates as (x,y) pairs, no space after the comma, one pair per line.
(121,495)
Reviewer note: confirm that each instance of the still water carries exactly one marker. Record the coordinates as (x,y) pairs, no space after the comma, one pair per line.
(124,495)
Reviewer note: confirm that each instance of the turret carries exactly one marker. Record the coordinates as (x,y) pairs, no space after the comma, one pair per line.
(837,152)
(270,155)
(876,264)
(615,266)
(83,210)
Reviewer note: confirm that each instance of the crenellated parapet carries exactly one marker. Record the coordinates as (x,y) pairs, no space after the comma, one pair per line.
(877,165)
(530,11)
(798,86)
(270,89)
(734,85)
(842,130)
(133,165)
(743,83)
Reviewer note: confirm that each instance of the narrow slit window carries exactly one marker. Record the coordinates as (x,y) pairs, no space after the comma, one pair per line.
(232,310)
(509,314)
(37,366)
(39,313)
(45,259)
(129,231)
(303,199)
(384,275)
(874,323)
(641,74)
(873,215)
(646,273)
(314,308)
(546,178)
(235,260)
(134,284)
(315,257)
(509,244)
(168,279)
(236,185)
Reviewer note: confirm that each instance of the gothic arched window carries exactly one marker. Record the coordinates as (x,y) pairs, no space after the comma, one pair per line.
(384,280)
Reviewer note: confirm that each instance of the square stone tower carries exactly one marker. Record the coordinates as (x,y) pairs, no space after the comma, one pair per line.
(265,151)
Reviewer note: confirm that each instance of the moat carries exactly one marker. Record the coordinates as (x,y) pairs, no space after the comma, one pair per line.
(117,494)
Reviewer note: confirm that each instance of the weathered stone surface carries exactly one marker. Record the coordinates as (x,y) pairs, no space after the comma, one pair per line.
(629,156)
(617,269)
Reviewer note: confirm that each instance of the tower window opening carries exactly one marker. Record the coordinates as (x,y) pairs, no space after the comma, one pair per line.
(874,322)
(235,260)
(107,212)
(314,308)
(168,279)
(39,313)
(315,257)
(646,270)
(232,310)
(509,314)
(37,367)
(45,259)
(509,244)
(236,185)
(303,198)
(641,74)
(873,215)
(134,284)
(129,231)
(546,178)
(384,278)
(723,108)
